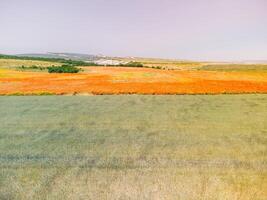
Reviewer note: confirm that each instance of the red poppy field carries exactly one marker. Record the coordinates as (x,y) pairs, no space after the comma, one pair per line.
(122,80)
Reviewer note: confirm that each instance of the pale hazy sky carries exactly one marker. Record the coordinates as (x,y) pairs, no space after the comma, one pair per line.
(182,29)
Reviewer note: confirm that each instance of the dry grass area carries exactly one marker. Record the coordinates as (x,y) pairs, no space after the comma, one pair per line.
(11,63)
(122,80)
(186,147)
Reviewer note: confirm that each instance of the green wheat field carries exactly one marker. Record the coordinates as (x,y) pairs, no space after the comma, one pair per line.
(133,147)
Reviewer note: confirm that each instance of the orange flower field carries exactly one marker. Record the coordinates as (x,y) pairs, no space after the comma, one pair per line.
(122,80)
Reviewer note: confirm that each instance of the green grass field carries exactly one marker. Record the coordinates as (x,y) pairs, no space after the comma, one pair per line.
(134,147)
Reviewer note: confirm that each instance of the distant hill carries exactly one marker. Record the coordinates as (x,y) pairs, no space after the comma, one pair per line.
(147,61)
(72,56)
(256,61)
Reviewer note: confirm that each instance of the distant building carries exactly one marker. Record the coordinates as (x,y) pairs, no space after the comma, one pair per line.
(109,62)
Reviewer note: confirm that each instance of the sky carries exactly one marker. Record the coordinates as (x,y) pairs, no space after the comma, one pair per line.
(179,29)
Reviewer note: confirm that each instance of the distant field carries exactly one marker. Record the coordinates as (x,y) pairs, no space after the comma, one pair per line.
(236,67)
(134,147)
(13,63)
(166,63)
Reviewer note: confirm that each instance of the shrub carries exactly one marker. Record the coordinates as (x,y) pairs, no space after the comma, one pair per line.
(130,64)
(63,69)
(156,67)
(33,67)
(79,63)
(134,64)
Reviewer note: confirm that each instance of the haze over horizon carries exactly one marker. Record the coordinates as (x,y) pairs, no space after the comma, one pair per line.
(179,29)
